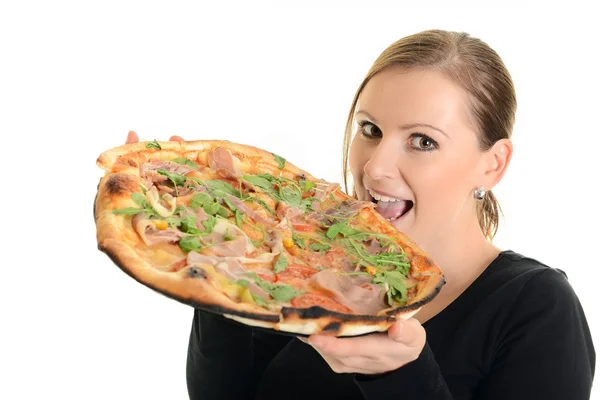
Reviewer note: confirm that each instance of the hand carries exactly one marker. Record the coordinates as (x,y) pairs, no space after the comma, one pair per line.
(374,353)
(132,137)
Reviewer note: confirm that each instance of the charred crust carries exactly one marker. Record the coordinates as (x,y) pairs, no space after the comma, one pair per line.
(332,327)
(195,272)
(317,312)
(118,184)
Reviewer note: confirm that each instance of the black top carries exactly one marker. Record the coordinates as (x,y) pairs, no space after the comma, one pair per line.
(518,332)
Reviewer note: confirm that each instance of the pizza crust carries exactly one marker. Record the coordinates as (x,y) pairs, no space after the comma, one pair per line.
(190,286)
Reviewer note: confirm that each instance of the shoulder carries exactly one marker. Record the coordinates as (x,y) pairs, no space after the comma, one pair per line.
(516,273)
(536,291)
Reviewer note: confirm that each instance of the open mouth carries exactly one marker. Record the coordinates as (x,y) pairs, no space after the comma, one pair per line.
(391,208)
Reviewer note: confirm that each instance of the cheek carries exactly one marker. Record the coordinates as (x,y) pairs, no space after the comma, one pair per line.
(444,182)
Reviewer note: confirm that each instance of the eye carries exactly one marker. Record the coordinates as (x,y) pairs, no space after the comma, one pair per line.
(369,130)
(422,142)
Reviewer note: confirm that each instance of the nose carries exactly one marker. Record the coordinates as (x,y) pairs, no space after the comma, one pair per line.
(383,162)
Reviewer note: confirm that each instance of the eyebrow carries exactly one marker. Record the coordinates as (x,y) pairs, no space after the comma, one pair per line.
(405,126)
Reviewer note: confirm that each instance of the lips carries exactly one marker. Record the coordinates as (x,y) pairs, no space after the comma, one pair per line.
(390,207)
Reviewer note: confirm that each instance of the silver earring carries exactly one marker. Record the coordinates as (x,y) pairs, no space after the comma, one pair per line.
(479,193)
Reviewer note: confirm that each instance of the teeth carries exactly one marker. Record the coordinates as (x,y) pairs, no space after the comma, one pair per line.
(379,197)
(394,218)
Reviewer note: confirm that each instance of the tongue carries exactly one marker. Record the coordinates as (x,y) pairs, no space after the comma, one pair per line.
(391,209)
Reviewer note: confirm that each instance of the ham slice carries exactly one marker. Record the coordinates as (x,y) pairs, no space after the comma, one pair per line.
(233,270)
(324,188)
(149,174)
(150,235)
(230,268)
(224,162)
(360,299)
(239,204)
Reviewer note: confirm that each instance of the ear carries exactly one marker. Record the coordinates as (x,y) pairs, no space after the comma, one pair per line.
(495,162)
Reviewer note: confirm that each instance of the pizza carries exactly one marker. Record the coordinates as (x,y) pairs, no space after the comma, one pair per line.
(239,231)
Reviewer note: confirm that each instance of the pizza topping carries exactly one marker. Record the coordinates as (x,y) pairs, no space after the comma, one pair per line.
(359,299)
(315,299)
(324,189)
(187,162)
(157,171)
(280,161)
(281,189)
(151,234)
(234,271)
(235,203)
(281,293)
(153,145)
(221,160)
(157,201)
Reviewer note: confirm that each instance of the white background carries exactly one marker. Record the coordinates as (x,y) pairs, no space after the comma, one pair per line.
(73,325)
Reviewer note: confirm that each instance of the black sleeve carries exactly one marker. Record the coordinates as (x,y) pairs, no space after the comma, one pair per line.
(220,360)
(420,379)
(544,351)
(225,359)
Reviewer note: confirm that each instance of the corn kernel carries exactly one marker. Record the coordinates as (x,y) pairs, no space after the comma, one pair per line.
(161,224)
(371,270)
(288,243)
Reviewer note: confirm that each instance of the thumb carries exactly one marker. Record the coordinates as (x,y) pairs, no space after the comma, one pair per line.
(406,331)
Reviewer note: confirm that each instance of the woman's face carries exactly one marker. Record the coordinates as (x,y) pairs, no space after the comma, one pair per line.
(416,154)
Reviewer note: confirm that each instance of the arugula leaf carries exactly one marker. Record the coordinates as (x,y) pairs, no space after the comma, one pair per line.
(188,224)
(177,179)
(153,145)
(307,185)
(341,228)
(260,181)
(140,199)
(281,264)
(238,218)
(201,199)
(186,161)
(128,211)
(220,188)
(209,224)
(229,204)
(190,243)
(280,292)
(397,288)
(259,300)
(319,246)
(211,208)
(298,241)
(280,161)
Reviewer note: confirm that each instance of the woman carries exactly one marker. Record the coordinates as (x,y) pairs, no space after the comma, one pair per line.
(433,120)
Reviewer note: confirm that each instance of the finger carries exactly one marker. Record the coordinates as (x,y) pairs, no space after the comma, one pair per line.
(302,339)
(363,346)
(132,137)
(176,138)
(409,332)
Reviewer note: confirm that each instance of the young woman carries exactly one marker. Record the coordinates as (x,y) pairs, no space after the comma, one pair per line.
(427,138)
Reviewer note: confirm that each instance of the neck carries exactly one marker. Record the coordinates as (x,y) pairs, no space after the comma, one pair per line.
(463,255)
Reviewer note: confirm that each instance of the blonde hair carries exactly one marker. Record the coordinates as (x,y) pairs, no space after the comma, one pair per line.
(479,70)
